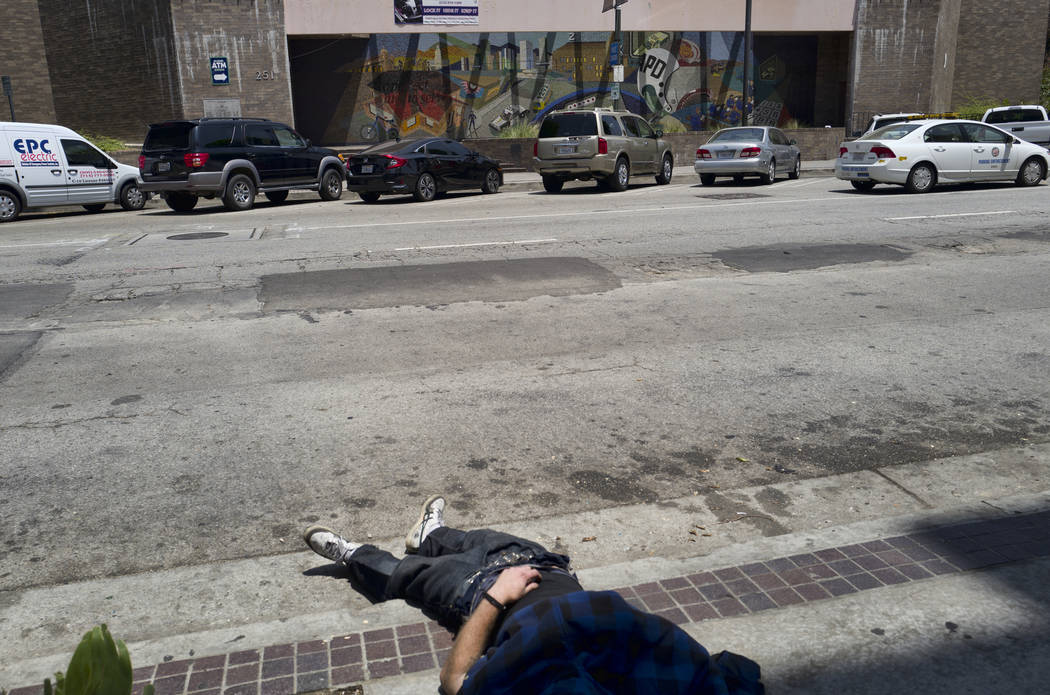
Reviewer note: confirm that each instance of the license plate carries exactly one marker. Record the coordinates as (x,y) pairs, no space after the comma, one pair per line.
(725,154)
(565,149)
(366,168)
(163,166)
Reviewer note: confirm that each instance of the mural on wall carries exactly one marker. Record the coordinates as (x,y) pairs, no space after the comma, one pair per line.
(483,85)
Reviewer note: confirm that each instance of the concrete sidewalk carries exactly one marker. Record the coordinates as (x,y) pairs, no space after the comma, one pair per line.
(929,575)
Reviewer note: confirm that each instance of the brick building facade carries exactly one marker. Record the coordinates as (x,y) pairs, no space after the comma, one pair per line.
(112,66)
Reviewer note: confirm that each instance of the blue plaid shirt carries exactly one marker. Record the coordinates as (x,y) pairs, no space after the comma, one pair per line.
(595,642)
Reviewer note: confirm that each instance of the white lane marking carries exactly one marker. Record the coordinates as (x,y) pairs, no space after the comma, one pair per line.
(82,242)
(954,214)
(479,243)
(585,214)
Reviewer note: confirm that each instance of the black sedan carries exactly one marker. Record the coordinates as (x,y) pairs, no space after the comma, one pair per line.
(425,168)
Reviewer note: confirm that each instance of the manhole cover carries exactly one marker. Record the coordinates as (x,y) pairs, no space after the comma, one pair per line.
(197,235)
(734,196)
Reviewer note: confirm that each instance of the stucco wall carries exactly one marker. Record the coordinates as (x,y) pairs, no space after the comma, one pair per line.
(23,60)
(328,17)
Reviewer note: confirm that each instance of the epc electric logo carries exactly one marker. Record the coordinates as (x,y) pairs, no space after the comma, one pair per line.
(35,153)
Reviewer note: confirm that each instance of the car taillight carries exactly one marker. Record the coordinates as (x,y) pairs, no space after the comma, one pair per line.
(142,162)
(603,146)
(703,154)
(395,162)
(882,152)
(536,148)
(195,160)
(750,152)
(843,151)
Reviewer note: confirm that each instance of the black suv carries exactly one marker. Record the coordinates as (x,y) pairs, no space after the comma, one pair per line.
(234,158)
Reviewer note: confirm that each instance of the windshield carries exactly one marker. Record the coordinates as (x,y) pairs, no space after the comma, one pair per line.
(1013,116)
(170,136)
(739,135)
(564,124)
(892,132)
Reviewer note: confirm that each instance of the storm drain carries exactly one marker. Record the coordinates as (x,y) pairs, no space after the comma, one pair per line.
(734,196)
(196,235)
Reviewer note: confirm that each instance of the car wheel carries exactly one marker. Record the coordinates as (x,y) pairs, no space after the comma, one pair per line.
(369,196)
(707,179)
(621,176)
(277,196)
(94,207)
(491,182)
(331,185)
(921,179)
(552,184)
(863,185)
(131,197)
(181,202)
(1031,172)
(664,177)
(240,193)
(10,206)
(796,170)
(426,188)
(771,172)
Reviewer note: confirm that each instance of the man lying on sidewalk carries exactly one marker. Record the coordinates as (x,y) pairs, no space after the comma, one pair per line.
(523,624)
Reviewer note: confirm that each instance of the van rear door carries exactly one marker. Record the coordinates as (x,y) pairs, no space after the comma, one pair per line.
(41,173)
(90,173)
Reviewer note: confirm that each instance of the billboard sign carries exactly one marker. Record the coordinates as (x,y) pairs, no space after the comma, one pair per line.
(436,11)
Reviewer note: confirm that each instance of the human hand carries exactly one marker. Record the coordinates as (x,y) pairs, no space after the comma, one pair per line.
(513,583)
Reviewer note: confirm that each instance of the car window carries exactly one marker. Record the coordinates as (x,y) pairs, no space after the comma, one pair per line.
(565,124)
(892,132)
(172,136)
(260,136)
(81,154)
(437,148)
(456,148)
(215,135)
(946,132)
(631,126)
(611,126)
(1013,116)
(738,135)
(982,133)
(644,129)
(287,137)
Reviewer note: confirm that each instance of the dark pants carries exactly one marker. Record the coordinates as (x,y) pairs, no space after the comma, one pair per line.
(442,578)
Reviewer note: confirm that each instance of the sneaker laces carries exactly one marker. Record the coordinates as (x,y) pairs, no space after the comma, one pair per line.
(339,548)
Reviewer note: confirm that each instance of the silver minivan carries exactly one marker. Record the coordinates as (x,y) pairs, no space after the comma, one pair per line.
(602,144)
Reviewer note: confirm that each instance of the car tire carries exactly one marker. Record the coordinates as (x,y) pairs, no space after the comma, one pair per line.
(10,206)
(94,207)
(771,172)
(369,196)
(552,184)
(490,184)
(666,169)
(707,179)
(1031,173)
(921,179)
(863,185)
(331,187)
(796,170)
(426,188)
(239,194)
(621,176)
(277,196)
(181,202)
(132,197)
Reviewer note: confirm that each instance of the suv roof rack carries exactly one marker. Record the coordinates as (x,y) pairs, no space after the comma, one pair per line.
(230,118)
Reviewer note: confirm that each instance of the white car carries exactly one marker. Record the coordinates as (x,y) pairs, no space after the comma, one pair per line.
(920,154)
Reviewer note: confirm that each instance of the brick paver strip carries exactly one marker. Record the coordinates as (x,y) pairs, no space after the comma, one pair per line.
(725,592)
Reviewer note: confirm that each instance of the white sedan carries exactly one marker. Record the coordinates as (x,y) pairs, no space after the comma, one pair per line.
(920,154)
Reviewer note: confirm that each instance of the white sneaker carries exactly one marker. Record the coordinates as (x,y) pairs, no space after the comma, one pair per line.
(329,544)
(431,516)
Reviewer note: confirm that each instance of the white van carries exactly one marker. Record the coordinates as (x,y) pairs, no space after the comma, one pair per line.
(45,165)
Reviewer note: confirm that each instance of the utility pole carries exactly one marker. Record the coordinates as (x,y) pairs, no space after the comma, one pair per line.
(617,45)
(745,118)
(9,93)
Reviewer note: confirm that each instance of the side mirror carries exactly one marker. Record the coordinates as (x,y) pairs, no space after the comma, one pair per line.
(794,142)
(308,143)
(1016,142)
(659,133)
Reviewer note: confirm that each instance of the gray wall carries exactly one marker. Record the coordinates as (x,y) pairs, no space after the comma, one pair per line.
(23,59)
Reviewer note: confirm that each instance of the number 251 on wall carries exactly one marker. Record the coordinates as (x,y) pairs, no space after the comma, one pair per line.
(265,75)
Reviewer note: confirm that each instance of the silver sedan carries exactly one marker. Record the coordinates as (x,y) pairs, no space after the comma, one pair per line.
(748,151)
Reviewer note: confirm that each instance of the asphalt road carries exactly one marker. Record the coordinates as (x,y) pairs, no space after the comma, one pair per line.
(180,389)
